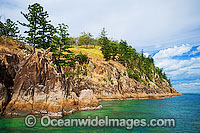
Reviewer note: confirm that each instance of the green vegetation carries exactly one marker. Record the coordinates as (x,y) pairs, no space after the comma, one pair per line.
(42,34)
(110,79)
(85,39)
(8,29)
(40,31)
(60,45)
(137,64)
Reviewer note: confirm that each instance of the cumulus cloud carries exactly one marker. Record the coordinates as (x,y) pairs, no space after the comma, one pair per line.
(196,51)
(175,51)
(164,58)
(179,69)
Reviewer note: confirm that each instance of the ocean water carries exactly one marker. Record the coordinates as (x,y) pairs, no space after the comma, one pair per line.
(184,109)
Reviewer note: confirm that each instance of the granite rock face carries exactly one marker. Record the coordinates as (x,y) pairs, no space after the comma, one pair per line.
(109,80)
(9,66)
(87,97)
(3,97)
(31,85)
(39,89)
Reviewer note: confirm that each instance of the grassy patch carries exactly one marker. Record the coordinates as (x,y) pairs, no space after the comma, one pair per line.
(91,51)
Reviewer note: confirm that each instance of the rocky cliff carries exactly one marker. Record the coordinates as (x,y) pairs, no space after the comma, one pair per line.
(30,84)
(9,65)
(37,88)
(110,80)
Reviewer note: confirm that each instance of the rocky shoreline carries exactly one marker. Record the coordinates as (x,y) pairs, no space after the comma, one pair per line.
(150,96)
(31,85)
(38,89)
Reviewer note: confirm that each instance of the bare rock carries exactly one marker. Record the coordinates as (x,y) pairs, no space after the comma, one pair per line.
(9,65)
(3,98)
(39,89)
(87,98)
(109,80)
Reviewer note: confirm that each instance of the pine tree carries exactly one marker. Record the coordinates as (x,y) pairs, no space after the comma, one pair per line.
(46,31)
(123,48)
(85,39)
(60,45)
(104,43)
(8,29)
(12,29)
(40,31)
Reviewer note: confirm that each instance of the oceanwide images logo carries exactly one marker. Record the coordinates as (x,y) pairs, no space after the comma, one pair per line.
(46,121)
(30,121)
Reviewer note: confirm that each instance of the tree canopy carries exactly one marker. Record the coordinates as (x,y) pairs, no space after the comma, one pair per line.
(40,32)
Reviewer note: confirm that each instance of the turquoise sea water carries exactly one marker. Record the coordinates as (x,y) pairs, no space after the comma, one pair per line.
(185,109)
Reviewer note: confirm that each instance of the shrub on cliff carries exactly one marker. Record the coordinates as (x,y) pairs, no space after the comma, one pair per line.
(137,64)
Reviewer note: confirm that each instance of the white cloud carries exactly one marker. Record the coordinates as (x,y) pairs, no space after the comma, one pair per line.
(175,51)
(179,69)
(194,52)
(174,64)
(164,59)
(188,86)
(197,51)
(146,54)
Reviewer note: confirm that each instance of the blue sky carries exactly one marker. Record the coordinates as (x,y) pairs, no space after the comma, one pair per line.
(182,66)
(168,30)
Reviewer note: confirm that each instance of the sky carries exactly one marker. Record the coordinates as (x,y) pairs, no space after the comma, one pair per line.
(168,30)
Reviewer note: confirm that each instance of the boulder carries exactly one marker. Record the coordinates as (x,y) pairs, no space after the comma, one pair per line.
(87,98)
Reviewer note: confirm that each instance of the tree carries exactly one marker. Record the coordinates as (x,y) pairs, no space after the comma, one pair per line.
(104,43)
(103,39)
(62,31)
(46,31)
(113,49)
(169,82)
(60,45)
(39,28)
(8,29)
(2,31)
(85,39)
(12,28)
(103,33)
(94,42)
(123,46)
(72,41)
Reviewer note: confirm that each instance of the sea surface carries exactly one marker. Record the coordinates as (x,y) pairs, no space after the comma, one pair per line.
(184,109)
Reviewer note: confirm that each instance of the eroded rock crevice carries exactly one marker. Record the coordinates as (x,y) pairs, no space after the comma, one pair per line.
(40,90)
(8,67)
(32,85)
